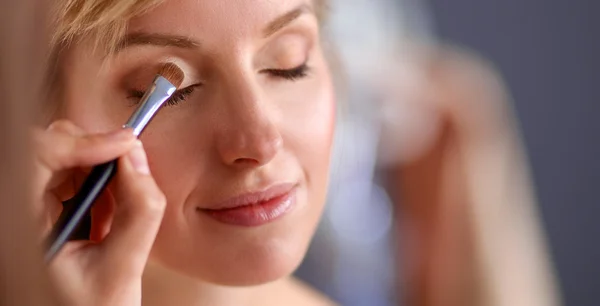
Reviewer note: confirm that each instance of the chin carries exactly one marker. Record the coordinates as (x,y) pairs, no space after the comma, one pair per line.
(255,268)
(248,267)
(236,260)
(226,255)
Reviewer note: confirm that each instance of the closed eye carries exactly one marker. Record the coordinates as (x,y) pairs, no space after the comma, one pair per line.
(289,74)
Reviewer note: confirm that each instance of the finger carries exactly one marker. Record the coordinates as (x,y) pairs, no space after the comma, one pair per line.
(45,206)
(140,205)
(66,190)
(102,215)
(59,150)
(46,215)
(65,184)
(67,261)
(62,126)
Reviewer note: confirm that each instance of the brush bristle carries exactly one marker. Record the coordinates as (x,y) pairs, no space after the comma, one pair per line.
(172,73)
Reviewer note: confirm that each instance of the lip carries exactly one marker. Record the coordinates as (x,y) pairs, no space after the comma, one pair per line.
(256,208)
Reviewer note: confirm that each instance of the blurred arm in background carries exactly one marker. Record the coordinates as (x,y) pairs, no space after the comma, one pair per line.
(458,175)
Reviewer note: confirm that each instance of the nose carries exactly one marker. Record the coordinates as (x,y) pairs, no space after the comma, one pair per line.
(249,137)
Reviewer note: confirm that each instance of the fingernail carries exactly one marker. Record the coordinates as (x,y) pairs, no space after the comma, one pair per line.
(138,159)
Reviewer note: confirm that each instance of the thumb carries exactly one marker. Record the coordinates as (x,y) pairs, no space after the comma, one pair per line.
(140,205)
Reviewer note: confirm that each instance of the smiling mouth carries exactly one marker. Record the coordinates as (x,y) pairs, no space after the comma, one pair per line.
(254,209)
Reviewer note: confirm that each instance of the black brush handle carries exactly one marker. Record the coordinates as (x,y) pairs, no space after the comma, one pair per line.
(78,208)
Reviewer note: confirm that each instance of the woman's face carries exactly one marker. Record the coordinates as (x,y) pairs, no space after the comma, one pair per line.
(250,130)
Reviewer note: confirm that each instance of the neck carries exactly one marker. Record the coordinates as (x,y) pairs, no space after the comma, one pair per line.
(164,287)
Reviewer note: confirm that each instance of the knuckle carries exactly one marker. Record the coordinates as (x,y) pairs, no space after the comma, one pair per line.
(61,125)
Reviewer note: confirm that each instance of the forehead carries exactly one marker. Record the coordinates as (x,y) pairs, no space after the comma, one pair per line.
(213,19)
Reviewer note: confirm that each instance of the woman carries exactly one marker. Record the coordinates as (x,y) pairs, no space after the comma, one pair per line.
(254,120)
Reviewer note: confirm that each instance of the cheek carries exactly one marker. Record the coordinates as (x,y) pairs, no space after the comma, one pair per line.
(176,155)
(309,120)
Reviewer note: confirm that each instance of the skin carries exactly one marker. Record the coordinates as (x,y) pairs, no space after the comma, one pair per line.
(244,128)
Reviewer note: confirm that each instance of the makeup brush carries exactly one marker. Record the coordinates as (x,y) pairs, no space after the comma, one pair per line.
(168,79)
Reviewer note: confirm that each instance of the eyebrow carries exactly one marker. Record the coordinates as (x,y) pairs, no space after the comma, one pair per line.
(168,40)
(282,21)
(160,40)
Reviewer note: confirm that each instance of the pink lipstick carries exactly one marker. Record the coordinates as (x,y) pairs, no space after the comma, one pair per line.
(256,208)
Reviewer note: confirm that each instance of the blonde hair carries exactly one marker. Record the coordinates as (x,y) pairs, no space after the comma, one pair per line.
(105,21)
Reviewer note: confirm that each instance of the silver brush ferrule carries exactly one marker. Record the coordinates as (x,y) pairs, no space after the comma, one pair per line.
(153,99)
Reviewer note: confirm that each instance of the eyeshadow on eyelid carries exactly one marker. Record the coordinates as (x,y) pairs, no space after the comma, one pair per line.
(141,74)
(287,52)
(138,79)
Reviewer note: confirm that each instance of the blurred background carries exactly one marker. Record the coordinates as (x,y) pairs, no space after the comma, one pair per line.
(465,165)
(547,52)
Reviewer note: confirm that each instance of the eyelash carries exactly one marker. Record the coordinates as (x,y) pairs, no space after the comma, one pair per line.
(293,74)
(180,95)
